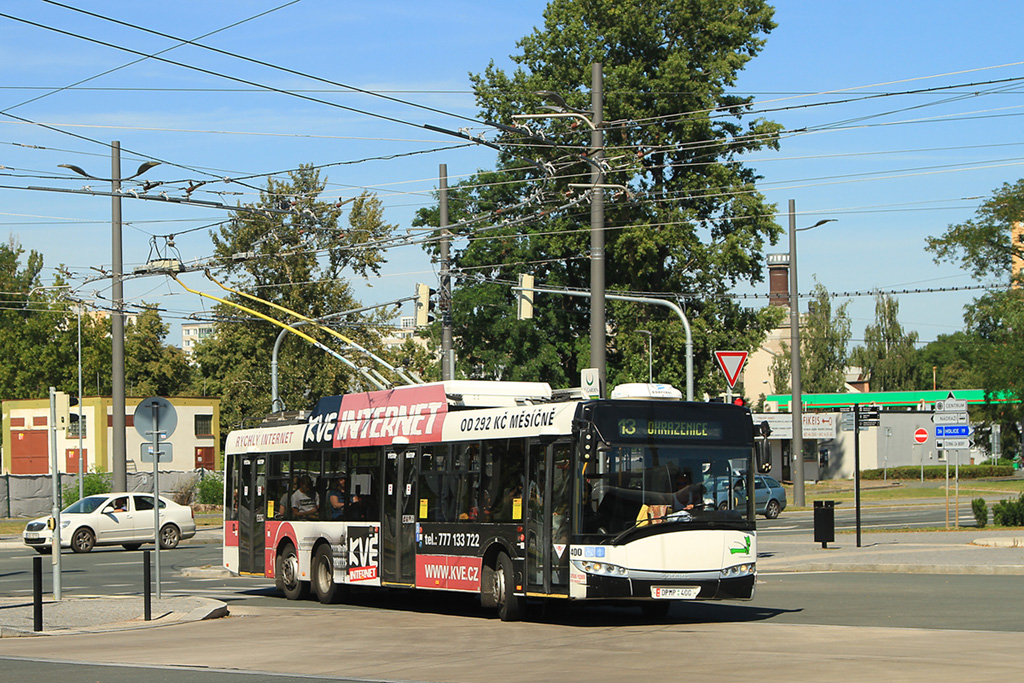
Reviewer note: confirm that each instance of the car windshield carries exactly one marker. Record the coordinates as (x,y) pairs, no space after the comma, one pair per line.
(637,485)
(86,505)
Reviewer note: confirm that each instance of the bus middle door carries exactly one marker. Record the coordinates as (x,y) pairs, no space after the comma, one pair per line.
(398,561)
(548,520)
(252,507)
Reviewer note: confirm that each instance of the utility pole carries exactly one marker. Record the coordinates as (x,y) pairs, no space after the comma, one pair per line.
(796,450)
(444,299)
(597,281)
(119,452)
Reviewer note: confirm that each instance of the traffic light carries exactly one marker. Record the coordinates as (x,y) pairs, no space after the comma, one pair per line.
(524,307)
(63,403)
(424,305)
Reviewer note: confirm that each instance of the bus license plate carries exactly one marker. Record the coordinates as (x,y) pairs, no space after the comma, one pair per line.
(674,592)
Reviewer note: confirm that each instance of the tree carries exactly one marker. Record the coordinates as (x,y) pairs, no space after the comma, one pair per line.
(153,368)
(690,224)
(949,362)
(888,355)
(984,245)
(824,336)
(299,261)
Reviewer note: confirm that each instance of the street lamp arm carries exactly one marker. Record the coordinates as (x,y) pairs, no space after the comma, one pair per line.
(145,166)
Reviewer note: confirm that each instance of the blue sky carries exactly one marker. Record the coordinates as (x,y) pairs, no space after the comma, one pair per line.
(891,170)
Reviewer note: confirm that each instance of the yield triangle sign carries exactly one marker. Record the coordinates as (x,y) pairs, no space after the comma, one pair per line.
(731,363)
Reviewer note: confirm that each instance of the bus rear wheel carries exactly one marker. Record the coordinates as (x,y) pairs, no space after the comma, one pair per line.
(503,587)
(327,591)
(286,573)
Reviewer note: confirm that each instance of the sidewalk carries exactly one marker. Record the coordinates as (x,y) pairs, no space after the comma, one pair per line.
(95,614)
(968,551)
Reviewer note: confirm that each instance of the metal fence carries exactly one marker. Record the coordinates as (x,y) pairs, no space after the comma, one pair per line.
(31,495)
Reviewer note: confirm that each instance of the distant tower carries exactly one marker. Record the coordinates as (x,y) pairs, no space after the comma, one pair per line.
(778,279)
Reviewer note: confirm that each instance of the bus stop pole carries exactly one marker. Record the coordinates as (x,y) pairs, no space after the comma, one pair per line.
(156,493)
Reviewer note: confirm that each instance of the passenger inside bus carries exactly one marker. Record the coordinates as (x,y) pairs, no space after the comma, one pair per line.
(305,502)
(342,505)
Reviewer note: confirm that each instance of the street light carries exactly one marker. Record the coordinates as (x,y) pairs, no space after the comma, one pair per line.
(119,452)
(796,451)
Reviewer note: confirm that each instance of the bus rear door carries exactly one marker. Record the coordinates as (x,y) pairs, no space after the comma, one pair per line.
(252,506)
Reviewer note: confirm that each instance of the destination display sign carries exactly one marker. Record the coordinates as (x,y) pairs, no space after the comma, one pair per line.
(641,428)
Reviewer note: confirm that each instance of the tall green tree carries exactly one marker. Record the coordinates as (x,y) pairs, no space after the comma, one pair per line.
(950,362)
(153,368)
(824,336)
(985,246)
(300,261)
(687,221)
(889,354)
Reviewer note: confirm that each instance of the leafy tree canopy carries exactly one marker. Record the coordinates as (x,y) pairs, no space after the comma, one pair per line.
(889,354)
(299,261)
(688,223)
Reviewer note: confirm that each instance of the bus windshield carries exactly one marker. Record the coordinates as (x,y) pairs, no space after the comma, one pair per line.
(637,485)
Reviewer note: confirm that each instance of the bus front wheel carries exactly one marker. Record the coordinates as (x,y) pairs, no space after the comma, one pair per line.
(503,590)
(327,591)
(286,573)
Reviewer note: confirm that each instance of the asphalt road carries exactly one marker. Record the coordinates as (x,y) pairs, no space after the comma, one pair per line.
(813,626)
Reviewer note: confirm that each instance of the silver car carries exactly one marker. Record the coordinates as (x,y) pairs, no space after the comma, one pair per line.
(769,496)
(124,519)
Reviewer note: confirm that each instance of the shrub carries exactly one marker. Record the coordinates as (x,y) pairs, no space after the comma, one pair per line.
(980,510)
(94,482)
(938,472)
(1009,512)
(210,489)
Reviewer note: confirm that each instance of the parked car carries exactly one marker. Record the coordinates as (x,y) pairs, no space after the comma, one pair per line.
(769,496)
(124,519)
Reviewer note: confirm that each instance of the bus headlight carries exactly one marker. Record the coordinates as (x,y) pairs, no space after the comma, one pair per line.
(738,570)
(602,568)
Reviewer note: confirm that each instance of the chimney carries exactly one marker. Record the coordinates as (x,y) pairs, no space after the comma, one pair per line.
(778,279)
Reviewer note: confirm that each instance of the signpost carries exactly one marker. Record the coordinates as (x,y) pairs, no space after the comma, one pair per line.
(731,363)
(156,419)
(952,433)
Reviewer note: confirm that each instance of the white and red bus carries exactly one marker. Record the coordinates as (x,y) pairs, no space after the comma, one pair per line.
(502,489)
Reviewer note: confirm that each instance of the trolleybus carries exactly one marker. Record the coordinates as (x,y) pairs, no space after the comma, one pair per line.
(508,490)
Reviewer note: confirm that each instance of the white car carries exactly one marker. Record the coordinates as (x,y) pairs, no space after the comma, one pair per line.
(124,519)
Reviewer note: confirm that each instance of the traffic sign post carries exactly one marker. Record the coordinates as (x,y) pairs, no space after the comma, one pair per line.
(731,363)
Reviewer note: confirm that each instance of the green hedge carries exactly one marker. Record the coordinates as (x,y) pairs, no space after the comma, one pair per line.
(938,472)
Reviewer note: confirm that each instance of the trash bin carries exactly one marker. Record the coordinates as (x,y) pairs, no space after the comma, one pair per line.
(824,522)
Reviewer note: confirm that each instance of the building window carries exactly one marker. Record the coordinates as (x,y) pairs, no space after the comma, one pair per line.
(204,425)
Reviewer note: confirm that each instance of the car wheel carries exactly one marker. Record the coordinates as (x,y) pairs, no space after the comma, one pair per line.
(327,591)
(510,605)
(724,505)
(131,546)
(169,537)
(83,540)
(286,571)
(772,510)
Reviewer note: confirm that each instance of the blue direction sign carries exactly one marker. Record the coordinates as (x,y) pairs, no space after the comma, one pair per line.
(952,431)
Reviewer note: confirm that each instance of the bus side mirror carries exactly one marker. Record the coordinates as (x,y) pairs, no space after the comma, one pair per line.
(763,456)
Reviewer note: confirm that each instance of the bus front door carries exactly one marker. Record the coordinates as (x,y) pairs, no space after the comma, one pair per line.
(398,561)
(547,556)
(252,505)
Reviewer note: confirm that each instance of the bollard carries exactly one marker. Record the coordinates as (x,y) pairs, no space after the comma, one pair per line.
(37,594)
(824,522)
(147,589)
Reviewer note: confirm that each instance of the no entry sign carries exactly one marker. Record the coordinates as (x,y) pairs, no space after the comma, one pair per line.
(921,435)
